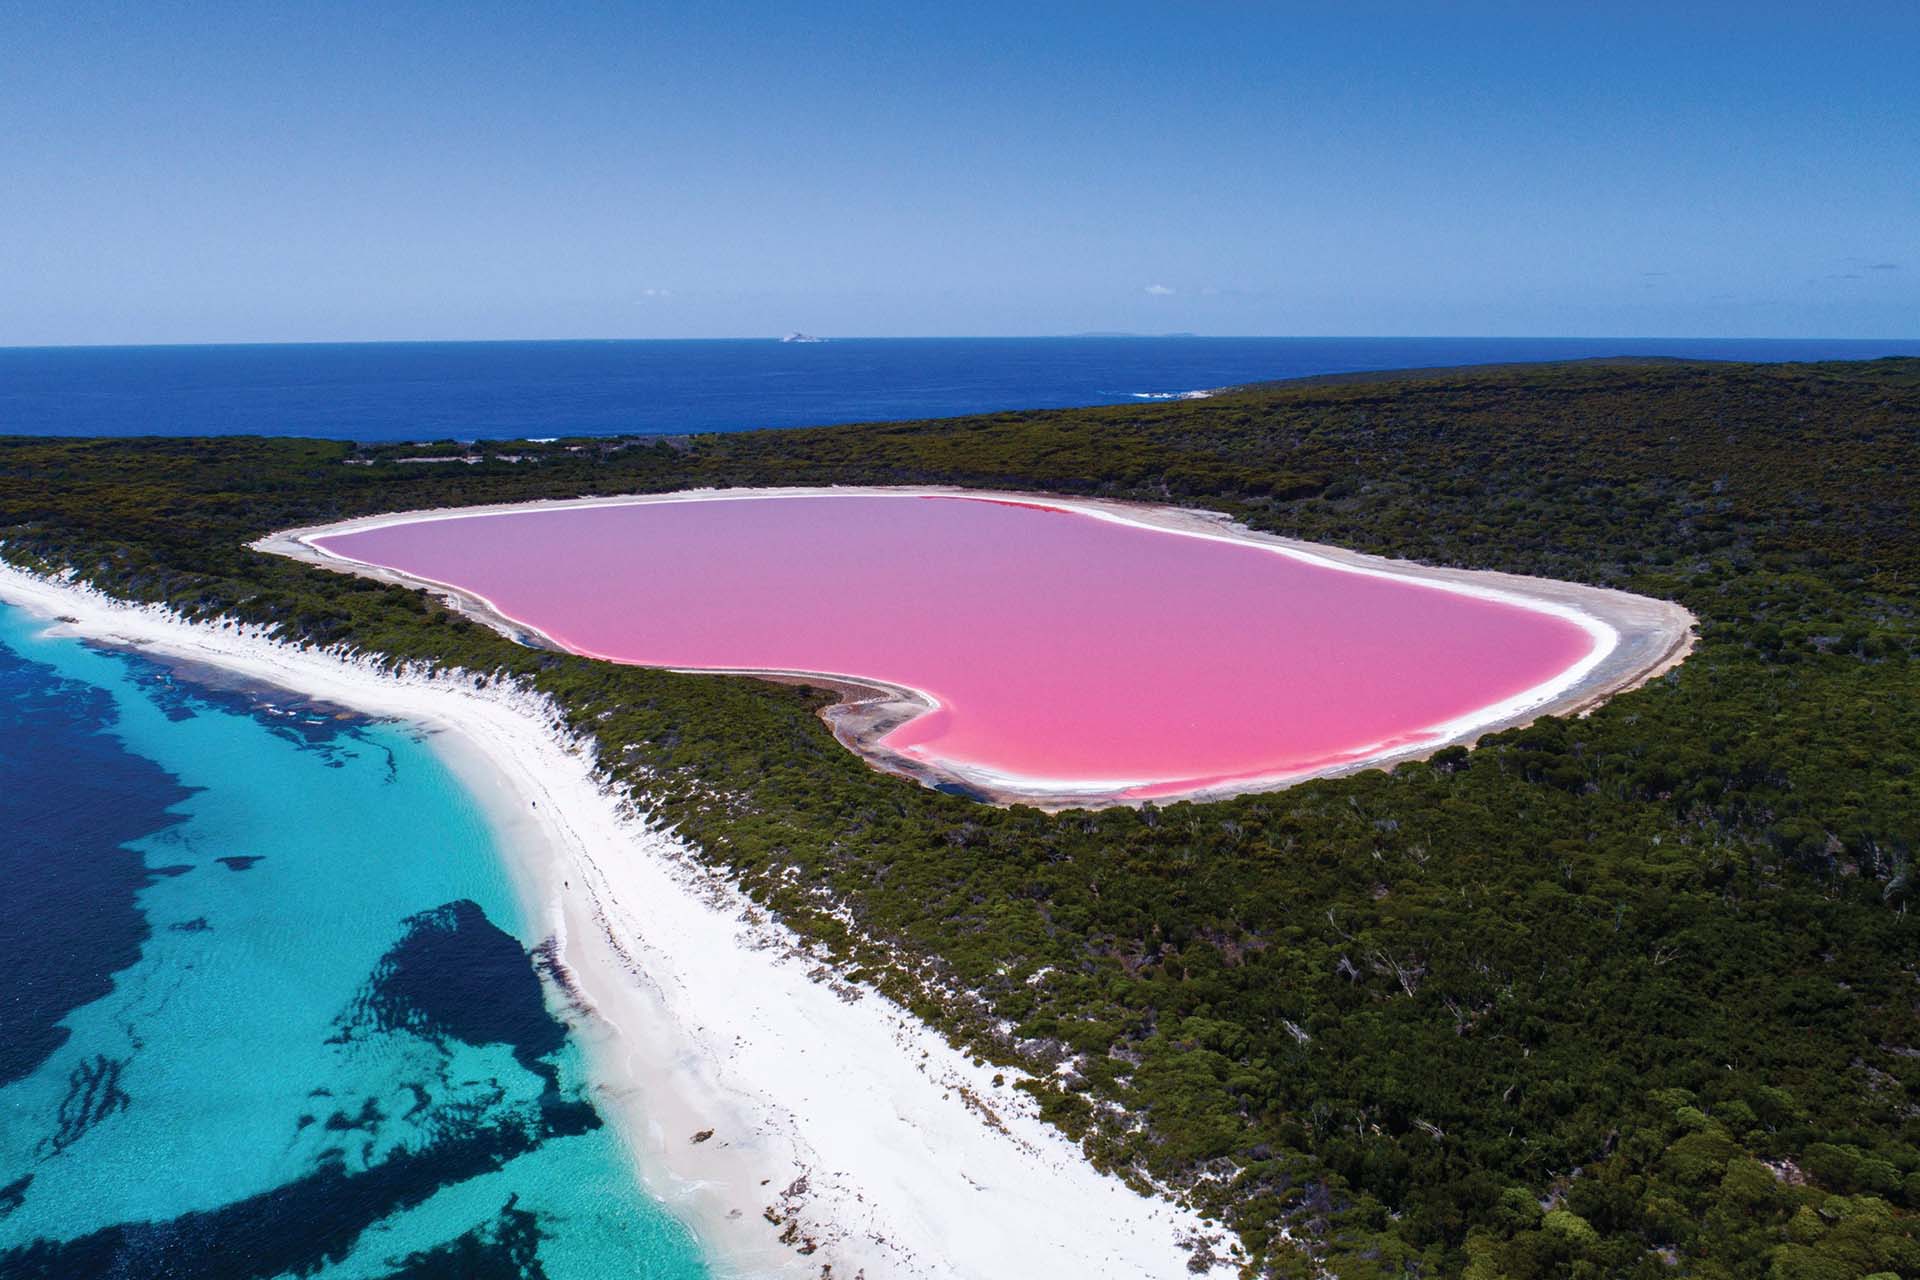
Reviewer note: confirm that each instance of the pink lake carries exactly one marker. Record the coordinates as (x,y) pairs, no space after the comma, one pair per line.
(1066,651)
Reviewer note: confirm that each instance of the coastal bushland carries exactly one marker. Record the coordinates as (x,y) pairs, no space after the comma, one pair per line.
(1632,994)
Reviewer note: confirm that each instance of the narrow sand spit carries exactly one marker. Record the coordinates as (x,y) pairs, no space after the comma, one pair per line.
(839,1131)
(1634,638)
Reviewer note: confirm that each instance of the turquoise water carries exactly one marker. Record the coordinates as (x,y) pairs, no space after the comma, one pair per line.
(286,1018)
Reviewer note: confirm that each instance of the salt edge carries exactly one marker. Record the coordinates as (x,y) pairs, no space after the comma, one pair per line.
(1605,637)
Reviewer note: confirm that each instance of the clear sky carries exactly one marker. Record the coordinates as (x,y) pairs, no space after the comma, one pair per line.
(181,172)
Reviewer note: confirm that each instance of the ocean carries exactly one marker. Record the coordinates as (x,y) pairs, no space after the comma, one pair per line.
(500,390)
(271,1007)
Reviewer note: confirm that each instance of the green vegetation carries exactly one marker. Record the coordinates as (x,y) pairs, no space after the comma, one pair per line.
(1630,995)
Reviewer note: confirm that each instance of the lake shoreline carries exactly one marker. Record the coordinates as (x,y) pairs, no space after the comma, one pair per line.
(792,1120)
(1635,639)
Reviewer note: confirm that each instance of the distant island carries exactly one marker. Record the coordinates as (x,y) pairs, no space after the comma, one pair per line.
(797,336)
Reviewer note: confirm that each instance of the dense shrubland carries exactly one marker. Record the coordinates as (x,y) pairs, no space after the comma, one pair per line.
(1631,995)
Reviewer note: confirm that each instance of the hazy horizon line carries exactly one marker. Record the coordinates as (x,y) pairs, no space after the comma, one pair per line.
(1116,335)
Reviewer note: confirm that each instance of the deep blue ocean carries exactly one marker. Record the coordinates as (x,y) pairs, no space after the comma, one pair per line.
(270,1007)
(499,390)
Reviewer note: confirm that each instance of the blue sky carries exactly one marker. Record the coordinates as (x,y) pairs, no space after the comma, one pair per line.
(180,172)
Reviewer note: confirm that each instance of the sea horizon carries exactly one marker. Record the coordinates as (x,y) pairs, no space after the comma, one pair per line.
(374,392)
(1103,334)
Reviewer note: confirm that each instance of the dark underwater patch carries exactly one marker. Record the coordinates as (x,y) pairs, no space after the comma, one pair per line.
(508,1248)
(455,975)
(69,920)
(14,1194)
(93,1094)
(73,798)
(296,1228)
(240,861)
(183,690)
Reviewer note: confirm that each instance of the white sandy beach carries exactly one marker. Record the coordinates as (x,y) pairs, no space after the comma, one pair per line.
(847,1138)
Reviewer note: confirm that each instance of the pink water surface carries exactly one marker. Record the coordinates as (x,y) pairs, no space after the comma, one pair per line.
(1061,647)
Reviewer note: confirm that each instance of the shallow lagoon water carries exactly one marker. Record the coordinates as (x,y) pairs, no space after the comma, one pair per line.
(275,1008)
